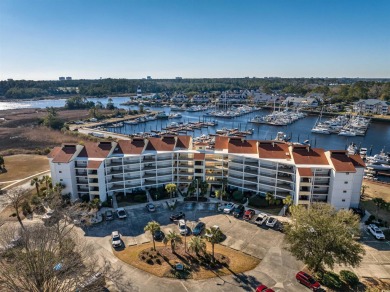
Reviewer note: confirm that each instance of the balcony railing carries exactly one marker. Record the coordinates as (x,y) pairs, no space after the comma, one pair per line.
(149,167)
(252,163)
(267,166)
(252,179)
(116,171)
(251,187)
(164,158)
(265,174)
(81,173)
(149,158)
(80,165)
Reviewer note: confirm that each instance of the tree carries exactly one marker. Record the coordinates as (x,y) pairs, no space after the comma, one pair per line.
(321,236)
(36,182)
(174,239)
(197,245)
(214,235)
(38,263)
(288,202)
(110,104)
(16,197)
(363,190)
(2,162)
(203,185)
(153,227)
(379,203)
(170,188)
(46,179)
(270,198)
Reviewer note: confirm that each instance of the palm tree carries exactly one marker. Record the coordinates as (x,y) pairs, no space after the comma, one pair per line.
(363,190)
(288,202)
(153,227)
(197,245)
(214,235)
(35,182)
(170,188)
(2,163)
(270,198)
(46,180)
(173,238)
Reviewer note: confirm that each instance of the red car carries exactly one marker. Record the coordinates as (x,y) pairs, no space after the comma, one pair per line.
(263,288)
(249,214)
(307,280)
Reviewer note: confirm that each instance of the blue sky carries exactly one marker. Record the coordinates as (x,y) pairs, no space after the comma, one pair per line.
(45,39)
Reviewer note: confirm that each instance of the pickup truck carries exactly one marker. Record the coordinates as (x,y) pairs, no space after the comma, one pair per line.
(260,219)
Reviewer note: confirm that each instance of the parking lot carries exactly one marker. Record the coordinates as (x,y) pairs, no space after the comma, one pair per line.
(277,268)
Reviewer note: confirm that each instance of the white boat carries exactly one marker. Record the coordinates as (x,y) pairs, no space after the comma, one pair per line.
(378,166)
(363,151)
(352,149)
(162,115)
(131,122)
(347,133)
(175,116)
(319,130)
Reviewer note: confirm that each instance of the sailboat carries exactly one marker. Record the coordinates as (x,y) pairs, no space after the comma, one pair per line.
(318,128)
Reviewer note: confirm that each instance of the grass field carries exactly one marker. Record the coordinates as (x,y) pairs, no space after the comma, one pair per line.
(239,262)
(376,190)
(21,166)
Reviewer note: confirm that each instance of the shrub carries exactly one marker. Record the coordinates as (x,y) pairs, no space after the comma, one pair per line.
(85,198)
(238,196)
(105,204)
(278,202)
(332,281)
(257,202)
(371,218)
(26,208)
(35,200)
(349,278)
(140,198)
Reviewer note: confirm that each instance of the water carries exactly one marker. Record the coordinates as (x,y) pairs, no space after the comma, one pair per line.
(377,137)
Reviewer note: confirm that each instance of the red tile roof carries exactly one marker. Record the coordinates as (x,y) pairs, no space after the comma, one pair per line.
(341,162)
(238,145)
(305,171)
(96,150)
(94,164)
(199,156)
(166,143)
(134,146)
(308,155)
(64,154)
(357,160)
(273,150)
(54,152)
(221,142)
(183,142)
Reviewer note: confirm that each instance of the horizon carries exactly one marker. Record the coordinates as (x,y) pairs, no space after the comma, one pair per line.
(43,40)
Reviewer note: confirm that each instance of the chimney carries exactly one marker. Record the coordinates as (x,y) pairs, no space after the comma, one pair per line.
(273,144)
(308,148)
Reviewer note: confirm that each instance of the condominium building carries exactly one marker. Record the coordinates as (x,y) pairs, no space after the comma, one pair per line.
(103,169)
(371,106)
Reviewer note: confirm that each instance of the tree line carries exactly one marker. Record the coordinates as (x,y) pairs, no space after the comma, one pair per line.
(336,89)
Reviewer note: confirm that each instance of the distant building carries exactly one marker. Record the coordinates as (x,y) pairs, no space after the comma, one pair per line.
(149,77)
(68,78)
(301,101)
(139,92)
(180,98)
(200,98)
(61,78)
(178,78)
(371,106)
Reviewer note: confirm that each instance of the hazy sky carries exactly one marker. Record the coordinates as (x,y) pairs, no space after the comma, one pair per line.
(45,39)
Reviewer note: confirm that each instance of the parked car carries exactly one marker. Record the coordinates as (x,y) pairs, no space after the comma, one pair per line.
(307,280)
(158,235)
(177,216)
(198,229)
(281,226)
(109,215)
(182,227)
(121,213)
(263,288)
(271,222)
(376,232)
(229,207)
(260,219)
(116,239)
(248,215)
(238,211)
(150,207)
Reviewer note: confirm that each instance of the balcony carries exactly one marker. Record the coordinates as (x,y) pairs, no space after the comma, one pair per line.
(251,163)
(129,162)
(305,184)
(286,169)
(83,189)
(116,187)
(114,164)
(115,179)
(184,180)
(250,187)
(285,186)
(165,158)
(185,165)
(81,181)
(149,167)
(81,173)
(185,158)
(265,174)
(237,161)
(285,178)
(164,166)
(268,166)
(322,174)
(132,177)
(79,164)
(266,182)
(149,175)
(132,168)
(165,180)
(149,158)
(303,202)
(235,176)
(252,179)
(251,171)
(304,193)
(322,192)
(116,171)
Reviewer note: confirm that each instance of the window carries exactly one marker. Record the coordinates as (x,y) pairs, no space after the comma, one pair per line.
(346,182)
(347,173)
(344,192)
(60,171)
(343,200)
(61,179)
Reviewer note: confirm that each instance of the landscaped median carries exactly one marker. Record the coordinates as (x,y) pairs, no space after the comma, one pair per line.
(162,262)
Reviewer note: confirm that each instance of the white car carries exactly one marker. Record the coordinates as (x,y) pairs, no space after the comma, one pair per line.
(378,234)
(121,213)
(260,219)
(271,221)
(150,207)
(116,239)
(182,227)
(228,208)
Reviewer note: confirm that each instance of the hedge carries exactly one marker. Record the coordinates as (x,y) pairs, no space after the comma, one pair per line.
(349,278)
(332,281)
(257,202)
